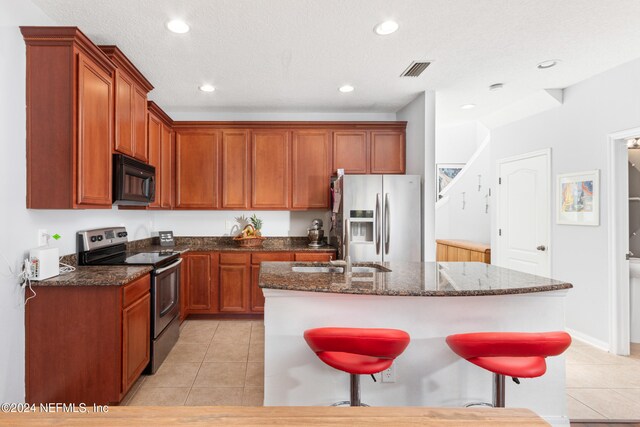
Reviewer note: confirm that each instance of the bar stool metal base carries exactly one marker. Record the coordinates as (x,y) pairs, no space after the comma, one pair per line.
(354,391)
(498,394)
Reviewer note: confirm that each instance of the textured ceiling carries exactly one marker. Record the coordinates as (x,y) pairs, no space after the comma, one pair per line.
(292,55)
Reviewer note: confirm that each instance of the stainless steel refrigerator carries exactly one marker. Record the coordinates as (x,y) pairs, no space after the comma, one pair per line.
(380,215)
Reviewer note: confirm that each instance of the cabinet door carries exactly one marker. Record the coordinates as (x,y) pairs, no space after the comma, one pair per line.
(257,298)
(350,152)
(197,170)
(441,252)
(387,152)
(166,169)
(311,169)
(155,143)
(315,256)
(124,114)
(199,295)
(235,169)
(95,107)
(270,154)
(234,283)
(136,333)
(139,119)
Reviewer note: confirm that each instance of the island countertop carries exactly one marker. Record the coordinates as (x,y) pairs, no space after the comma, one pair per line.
(410,279)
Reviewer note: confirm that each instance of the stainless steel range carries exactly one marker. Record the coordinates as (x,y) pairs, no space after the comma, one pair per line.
(107,246)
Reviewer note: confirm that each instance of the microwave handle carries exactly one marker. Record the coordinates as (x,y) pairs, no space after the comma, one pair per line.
(148,188)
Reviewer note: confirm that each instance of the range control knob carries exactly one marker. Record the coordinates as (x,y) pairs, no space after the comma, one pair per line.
(94,238)
(125,234)
(121,234)
(99,238)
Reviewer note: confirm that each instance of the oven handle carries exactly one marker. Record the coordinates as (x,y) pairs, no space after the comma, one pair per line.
(162,270)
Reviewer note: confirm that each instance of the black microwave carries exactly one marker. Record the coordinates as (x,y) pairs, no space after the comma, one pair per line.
(134,182)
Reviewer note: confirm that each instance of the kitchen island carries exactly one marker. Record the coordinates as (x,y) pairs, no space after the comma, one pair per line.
(427,300)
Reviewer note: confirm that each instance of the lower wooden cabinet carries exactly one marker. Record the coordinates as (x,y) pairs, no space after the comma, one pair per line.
(227,282)
(86,344)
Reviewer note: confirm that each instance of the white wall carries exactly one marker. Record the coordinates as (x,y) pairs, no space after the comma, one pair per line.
(457,143)
(293,116)
(577,133)
(473,222)
(420,153)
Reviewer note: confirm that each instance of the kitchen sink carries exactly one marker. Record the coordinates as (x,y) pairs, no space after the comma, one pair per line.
(333,269)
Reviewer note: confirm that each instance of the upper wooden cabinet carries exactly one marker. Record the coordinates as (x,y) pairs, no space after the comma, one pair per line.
(270,169)
(131,89)
(69,120)
(197,169)
(350,152)
(311,169)
(387,151)
(159,138)
(235,169)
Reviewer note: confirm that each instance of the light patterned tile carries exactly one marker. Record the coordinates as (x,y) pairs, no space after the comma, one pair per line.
(160,396)
(253,396)
(227,351)
(173,375)
(221,374)
(579,411)
(256,351)
(255,374)
(218,396)
(603,376)
(607,402)
(185,352)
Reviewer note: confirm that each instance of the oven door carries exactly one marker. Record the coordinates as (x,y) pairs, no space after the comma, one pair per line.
(165,296)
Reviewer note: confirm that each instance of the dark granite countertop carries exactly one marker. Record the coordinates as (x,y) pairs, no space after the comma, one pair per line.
(410,279)
(225,243)
(100,275)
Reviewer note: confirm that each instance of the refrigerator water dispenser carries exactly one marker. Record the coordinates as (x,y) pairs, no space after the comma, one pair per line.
(361,226)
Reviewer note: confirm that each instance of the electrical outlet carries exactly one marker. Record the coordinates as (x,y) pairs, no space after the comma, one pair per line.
(42,237)
(389,374)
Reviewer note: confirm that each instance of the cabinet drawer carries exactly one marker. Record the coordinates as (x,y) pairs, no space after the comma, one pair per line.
(233,258)
(279,256)
(315,256)
(136,289)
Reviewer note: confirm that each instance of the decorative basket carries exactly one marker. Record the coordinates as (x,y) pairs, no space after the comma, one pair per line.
(249,242)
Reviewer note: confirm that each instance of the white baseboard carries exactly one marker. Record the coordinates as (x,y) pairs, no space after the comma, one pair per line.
(602,345)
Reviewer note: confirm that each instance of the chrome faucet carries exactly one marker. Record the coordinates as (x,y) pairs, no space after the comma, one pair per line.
(346,263)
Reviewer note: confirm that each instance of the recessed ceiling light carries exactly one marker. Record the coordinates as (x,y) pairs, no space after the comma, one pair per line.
(178,26)
(548,64)
(385,28)
(496,86)
(207,88)
(468,106)
(346,89)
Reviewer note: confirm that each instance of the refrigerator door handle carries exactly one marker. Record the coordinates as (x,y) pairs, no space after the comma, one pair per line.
(387,224)
(378,224)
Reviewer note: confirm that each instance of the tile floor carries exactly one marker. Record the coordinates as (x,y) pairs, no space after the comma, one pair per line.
(221,362)
(215,362)
(601,385)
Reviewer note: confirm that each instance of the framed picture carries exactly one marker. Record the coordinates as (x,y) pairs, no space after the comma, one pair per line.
(579,198)
(445,172)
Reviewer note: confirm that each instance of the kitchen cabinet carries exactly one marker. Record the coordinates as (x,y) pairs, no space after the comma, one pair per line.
(350,152)
(86,344)
(387,152)
(201,288)
(136,333)
(69,120)
(234,282)
(197,170)
(270,169)
(314,256)
(462,251)
(236,174)
(257,298)
(160,154)
(131,89)
(311,169)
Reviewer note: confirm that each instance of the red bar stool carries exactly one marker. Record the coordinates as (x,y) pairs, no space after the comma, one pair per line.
(513,354)
(357,351)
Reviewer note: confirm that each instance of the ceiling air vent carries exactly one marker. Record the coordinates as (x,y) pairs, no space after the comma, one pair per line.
(415,69)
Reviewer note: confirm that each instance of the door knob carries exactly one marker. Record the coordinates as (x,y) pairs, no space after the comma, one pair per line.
(542,248)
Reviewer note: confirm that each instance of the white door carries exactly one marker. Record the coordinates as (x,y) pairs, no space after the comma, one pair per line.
(523,215)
